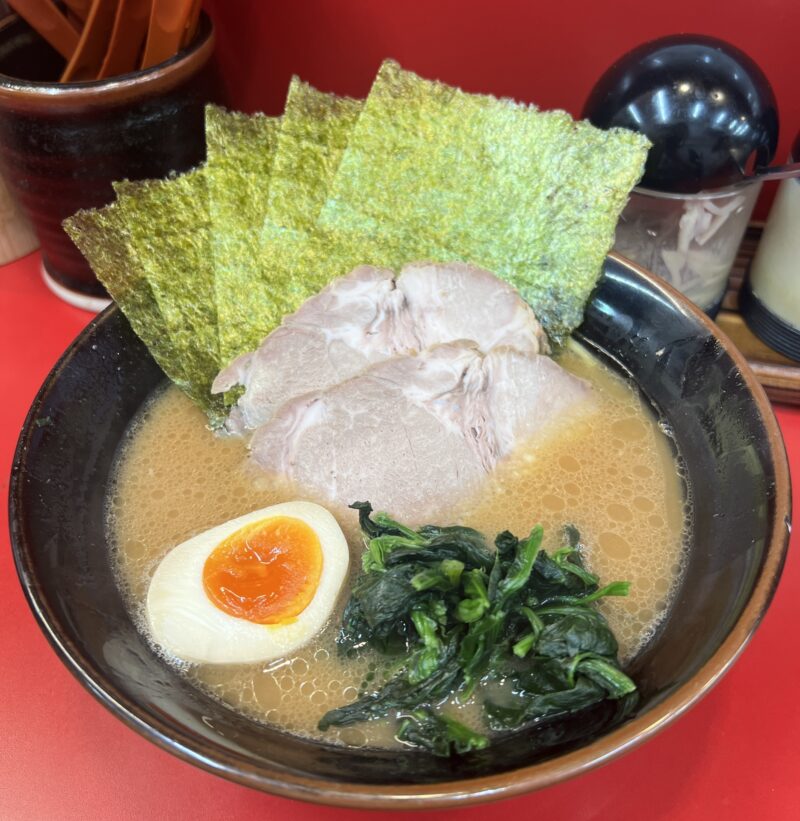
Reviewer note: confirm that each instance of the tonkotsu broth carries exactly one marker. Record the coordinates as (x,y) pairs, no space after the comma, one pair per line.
(610,471)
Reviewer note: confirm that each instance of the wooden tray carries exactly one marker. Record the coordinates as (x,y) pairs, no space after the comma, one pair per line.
(779,376)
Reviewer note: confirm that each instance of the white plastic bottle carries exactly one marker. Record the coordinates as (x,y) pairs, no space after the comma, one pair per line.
(770,301)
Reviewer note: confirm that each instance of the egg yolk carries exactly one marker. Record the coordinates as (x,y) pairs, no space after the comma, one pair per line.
(266,572)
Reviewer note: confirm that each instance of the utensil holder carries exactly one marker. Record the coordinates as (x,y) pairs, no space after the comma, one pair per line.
(63,144)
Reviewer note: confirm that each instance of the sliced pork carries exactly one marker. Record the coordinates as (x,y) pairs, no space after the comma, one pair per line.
(369,316)
(414,434)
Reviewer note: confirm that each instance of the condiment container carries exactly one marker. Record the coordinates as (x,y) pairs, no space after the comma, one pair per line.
(710,115)
(770,298)
(690,240)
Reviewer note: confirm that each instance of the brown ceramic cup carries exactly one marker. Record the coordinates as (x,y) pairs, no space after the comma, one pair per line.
(63,144)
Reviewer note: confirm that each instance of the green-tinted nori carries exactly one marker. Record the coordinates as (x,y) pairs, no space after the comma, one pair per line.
(240,150)
(532,196)
(420,170)
(169,239)
(315,129)
(101,235)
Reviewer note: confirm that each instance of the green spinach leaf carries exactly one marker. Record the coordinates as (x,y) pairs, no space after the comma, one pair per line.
(460,616)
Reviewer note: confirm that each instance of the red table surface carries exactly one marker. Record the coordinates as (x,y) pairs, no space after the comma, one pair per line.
(63,756)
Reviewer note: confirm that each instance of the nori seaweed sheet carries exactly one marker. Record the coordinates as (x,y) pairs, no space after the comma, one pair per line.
(532,196)
(208,263)
(169,239)
(315,129)
(240,150)
(101,235)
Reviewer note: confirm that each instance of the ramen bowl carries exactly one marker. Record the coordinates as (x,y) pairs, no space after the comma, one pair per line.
(704,393)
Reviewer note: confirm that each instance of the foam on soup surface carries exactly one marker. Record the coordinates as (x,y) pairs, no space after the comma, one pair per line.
(610,471)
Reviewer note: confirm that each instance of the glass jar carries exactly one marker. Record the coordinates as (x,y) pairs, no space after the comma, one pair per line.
(690,240)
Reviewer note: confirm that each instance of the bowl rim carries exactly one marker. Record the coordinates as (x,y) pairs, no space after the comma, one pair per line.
(235,767)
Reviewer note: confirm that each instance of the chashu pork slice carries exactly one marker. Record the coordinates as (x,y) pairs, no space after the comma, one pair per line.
(415,434)
(369,316)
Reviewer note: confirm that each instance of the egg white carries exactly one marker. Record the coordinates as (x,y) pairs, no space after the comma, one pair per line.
(186,624)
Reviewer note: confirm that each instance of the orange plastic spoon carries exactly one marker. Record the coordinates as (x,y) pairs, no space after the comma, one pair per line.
(127,37)
(78,8)
(191,25)
(168,19)
(93,45)
(48,21)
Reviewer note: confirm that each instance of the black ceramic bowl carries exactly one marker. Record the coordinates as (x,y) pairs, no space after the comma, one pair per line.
(701,386)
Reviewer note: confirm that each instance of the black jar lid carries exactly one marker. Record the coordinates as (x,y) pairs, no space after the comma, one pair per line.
(704,104)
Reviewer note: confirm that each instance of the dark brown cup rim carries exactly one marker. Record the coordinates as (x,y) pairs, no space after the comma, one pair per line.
(451,793)
(26,94)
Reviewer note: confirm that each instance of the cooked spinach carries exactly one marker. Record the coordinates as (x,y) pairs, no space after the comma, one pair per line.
(437,733)
(458,615)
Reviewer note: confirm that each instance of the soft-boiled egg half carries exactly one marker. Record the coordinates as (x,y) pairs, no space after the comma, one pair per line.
(251,589)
